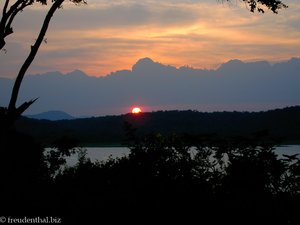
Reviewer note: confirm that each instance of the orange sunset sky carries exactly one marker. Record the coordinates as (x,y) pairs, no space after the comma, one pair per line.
(106,36)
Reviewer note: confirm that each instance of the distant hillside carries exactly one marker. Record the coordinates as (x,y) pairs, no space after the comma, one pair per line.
(281,123)
(235,85)
(52,115)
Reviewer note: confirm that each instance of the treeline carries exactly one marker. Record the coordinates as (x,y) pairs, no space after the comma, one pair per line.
(165,179)
(169,176)
(109,130)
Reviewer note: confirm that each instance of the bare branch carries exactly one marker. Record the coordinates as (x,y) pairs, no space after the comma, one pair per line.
(5,7)
(22,108)
(32,54)
(14,7)
(8,29)
(5,29)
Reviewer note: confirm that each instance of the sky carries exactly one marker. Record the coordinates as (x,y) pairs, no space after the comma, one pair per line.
(106,36)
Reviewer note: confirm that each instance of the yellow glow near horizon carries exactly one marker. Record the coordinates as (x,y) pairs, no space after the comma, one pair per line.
(136,110)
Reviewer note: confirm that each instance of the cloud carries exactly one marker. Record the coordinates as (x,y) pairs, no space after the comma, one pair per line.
(113,15)
(234,86)
(106,36)
(11,59)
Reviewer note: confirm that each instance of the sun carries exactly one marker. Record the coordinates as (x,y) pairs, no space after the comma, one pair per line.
(136,110)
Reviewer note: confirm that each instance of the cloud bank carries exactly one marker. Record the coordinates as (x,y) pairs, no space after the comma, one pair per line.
(106,36)
(235,85)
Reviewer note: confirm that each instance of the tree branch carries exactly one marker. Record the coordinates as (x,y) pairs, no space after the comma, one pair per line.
(31,56)
(8,29)
(5,28)
(5,7)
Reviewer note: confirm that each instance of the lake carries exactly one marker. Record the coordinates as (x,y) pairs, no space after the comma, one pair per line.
(103,153)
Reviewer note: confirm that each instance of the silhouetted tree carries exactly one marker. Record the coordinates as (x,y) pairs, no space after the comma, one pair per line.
(10,11)
(23,171)
(61,148)
(241,178)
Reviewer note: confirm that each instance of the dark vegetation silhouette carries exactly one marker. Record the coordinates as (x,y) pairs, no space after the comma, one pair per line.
(239,180)
(108,130)
(166,178)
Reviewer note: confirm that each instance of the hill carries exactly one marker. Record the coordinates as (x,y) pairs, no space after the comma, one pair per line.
(52,115)
(109,130)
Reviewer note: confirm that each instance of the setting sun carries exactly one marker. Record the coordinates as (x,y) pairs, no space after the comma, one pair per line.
(136,110)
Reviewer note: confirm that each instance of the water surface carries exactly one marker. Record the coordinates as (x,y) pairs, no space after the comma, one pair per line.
(103,153)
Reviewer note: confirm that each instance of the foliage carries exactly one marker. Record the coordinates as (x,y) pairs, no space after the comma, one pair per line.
(56,155)
(258,5)
(165,177)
